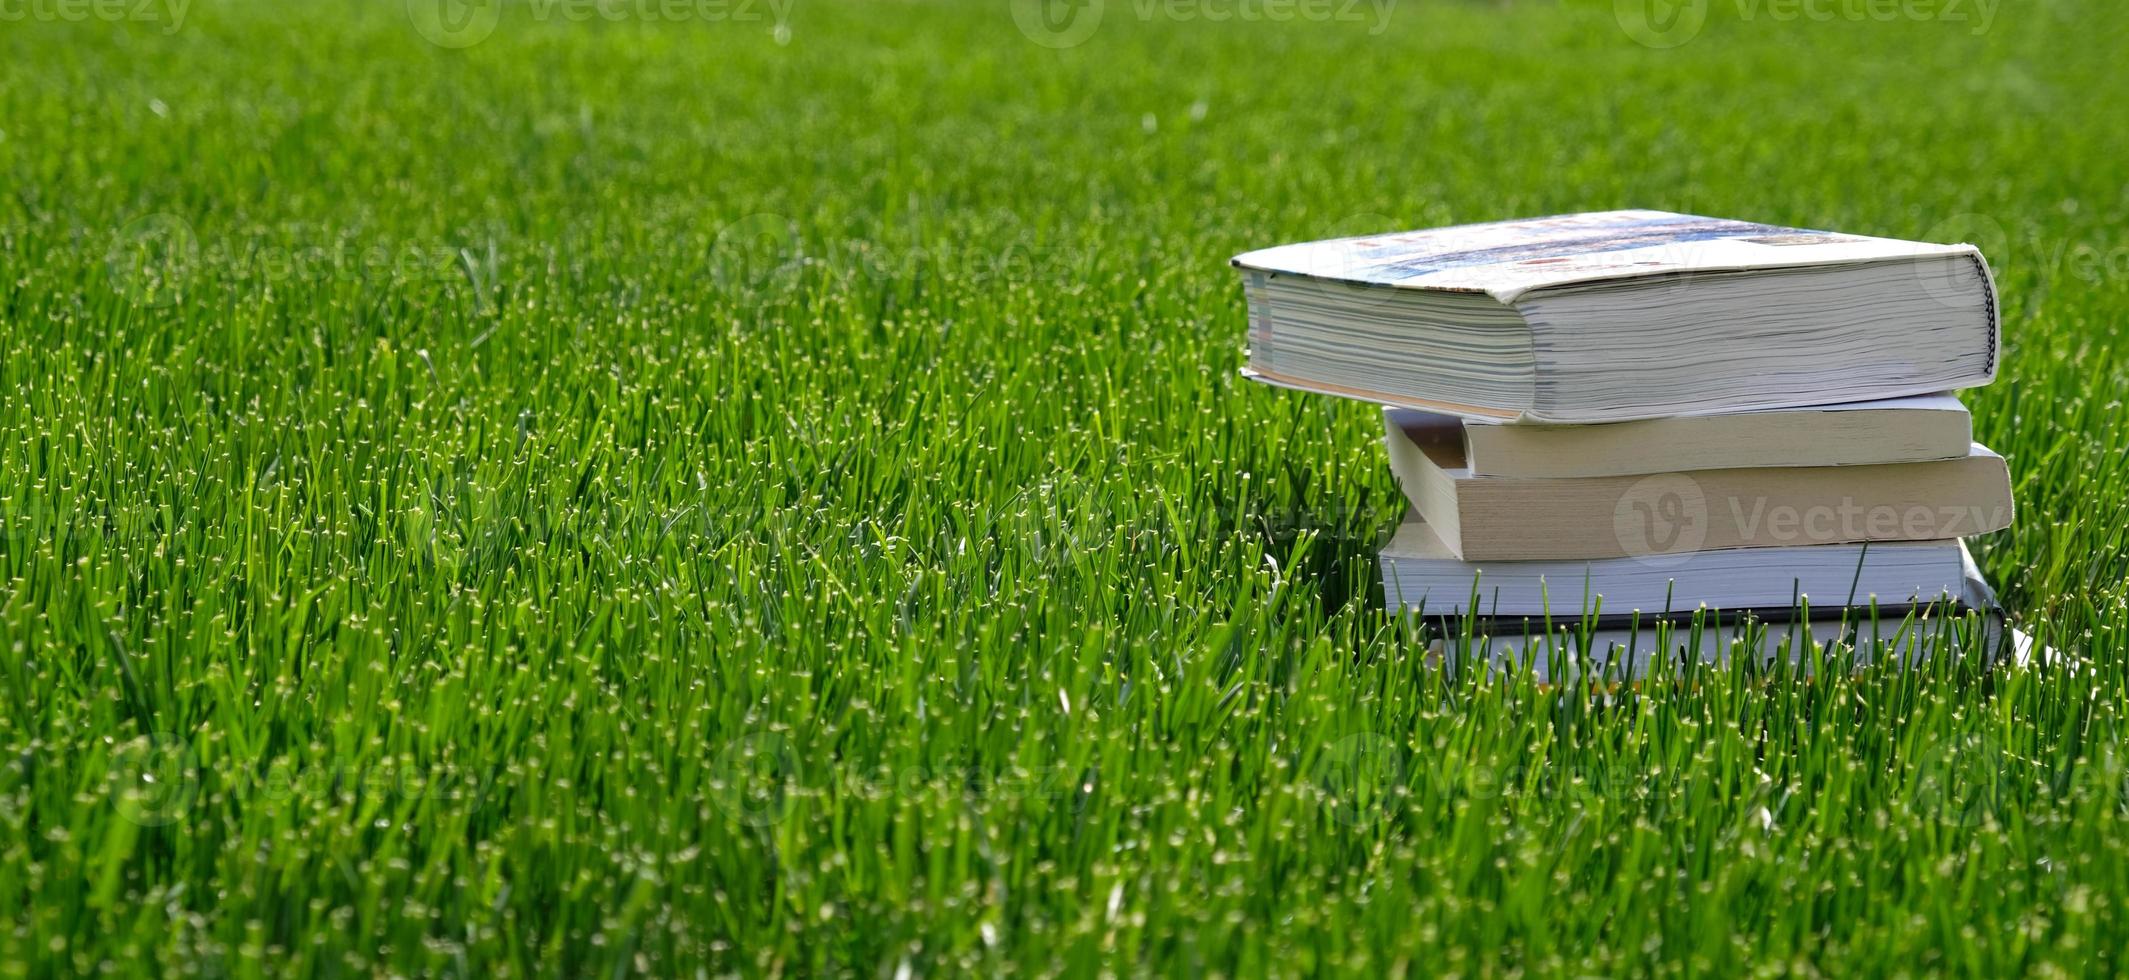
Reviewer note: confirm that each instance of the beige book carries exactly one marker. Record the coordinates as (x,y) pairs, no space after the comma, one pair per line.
(1669,515)
(1893,430)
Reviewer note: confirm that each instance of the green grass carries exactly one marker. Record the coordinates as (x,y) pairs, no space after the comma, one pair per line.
(651,497)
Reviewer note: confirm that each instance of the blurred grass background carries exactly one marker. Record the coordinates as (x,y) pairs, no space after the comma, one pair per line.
(766,488)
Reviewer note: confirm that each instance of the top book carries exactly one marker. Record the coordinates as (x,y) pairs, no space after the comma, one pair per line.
(1618,315)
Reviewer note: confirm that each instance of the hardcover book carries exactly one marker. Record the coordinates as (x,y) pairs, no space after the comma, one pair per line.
(1893,430)
(1619,315)
(1664,516)
(1421,574)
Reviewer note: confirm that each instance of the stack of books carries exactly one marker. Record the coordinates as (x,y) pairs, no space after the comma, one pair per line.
(1626,419)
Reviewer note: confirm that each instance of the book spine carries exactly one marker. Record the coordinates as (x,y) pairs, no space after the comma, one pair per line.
(1988,298)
